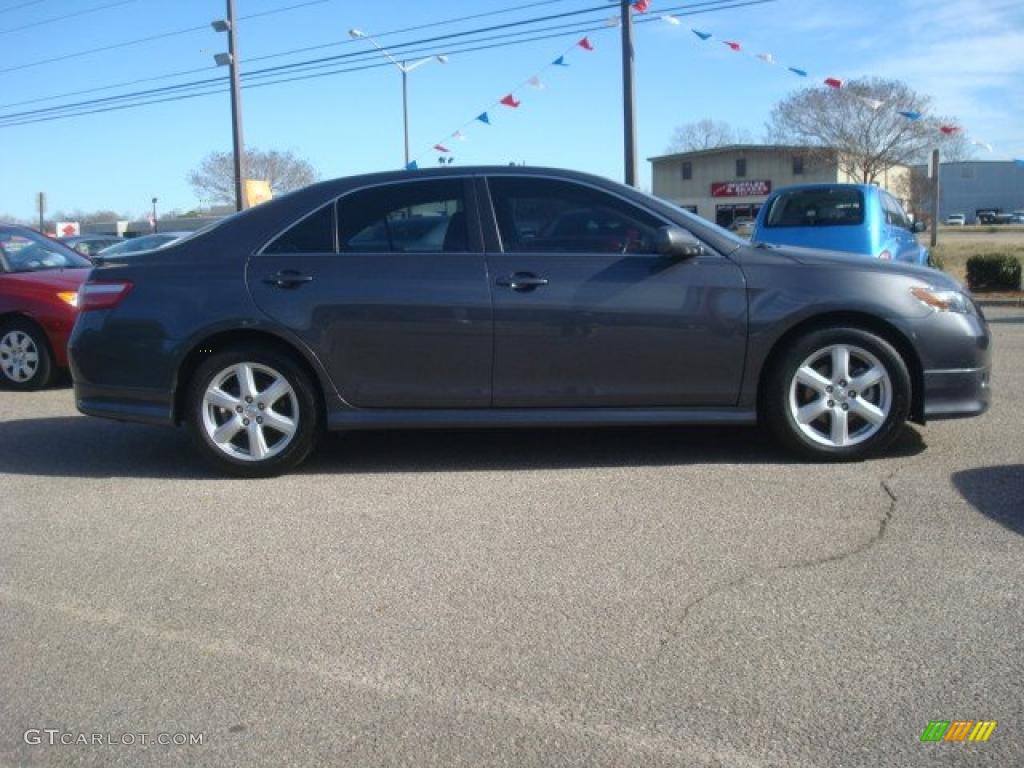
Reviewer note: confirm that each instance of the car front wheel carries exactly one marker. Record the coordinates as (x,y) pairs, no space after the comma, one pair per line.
(253,412)
(838,394)
(25,361)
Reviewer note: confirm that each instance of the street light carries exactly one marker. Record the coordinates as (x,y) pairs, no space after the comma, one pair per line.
(405,68)
(230,60)
(154,215)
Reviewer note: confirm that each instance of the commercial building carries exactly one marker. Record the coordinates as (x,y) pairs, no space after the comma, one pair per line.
(732,182)
(974,186)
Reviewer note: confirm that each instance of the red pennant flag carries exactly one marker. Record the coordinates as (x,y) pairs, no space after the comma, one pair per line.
(585,44)
(510,101)
(641,6)
(833,82)
(441,148)
(949,130)
(731,44)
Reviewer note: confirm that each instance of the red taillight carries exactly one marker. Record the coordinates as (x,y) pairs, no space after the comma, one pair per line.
(885,255)
(102,295)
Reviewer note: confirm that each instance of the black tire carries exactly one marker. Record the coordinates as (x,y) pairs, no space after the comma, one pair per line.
(307,403)
(25,330)
(784,424)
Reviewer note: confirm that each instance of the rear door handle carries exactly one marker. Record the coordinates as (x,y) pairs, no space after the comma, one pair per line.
(288,278)
(522,281)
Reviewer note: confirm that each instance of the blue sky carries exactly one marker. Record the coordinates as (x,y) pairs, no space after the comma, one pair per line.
(967,54)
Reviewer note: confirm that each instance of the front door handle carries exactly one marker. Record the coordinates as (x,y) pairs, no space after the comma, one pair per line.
(288,278)
(522,281)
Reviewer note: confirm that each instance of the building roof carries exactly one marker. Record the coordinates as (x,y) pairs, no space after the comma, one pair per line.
(733,148)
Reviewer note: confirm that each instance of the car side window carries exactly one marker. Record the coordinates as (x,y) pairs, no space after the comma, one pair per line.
(411,217)
(313,234)
(894,213)
(551,215)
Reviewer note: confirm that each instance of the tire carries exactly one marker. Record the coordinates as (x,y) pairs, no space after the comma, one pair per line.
(809,399)
(233,432)
(26,362)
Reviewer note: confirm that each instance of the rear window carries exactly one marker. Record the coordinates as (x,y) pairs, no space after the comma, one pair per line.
(828,206)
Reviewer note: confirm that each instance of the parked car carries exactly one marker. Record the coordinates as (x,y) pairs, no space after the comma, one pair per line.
(956,220)
(743,226)
(142,243)
(312,311)
(1017,217)
(39,282)
(854,218)
(90,245)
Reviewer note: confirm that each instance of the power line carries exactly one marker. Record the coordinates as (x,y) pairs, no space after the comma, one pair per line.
(53,19)
(20,5)
(214,85)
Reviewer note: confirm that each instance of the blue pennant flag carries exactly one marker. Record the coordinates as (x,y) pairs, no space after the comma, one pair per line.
(911,115)
(701,35)
(484,118)
(800,72)
(1019,162)
(559,62)
(411,165)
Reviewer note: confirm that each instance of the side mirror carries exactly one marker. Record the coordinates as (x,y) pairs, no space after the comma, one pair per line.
(677,243)
(919,226)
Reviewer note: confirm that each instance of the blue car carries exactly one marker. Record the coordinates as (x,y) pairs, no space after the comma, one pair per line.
(856,218)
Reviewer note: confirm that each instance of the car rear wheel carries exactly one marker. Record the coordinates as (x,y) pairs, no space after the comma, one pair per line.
(838,394)
(253,412)
(25,359)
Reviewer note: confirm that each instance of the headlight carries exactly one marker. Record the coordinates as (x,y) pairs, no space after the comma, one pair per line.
(945,301)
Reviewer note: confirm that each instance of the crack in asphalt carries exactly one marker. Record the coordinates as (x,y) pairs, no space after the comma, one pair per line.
(883,523)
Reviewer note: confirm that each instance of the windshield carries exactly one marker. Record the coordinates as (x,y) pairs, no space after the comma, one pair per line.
(817,207)
(28,251)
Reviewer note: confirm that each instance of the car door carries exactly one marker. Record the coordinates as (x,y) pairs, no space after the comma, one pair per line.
(388,287)
(586,314)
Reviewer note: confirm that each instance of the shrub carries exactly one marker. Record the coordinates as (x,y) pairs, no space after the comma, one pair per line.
(935,260)
(993,272)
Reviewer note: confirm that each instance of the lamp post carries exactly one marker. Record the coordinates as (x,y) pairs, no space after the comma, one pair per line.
(155,225)
(405,68)
(230,59)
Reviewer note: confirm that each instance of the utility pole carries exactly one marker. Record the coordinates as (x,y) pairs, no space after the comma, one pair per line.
(156,227)
(41,203)
(933,172)
(628,94)
(404,67)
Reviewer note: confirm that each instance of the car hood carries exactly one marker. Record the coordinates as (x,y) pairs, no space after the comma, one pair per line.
(816,256)
(58,279)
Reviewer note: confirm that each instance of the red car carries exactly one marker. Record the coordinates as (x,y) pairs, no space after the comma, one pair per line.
(39,281)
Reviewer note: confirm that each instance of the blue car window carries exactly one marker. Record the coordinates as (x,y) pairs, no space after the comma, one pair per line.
(828,206)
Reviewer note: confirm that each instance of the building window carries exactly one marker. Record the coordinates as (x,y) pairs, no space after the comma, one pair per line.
(687,170)
(741,168)
(798,165)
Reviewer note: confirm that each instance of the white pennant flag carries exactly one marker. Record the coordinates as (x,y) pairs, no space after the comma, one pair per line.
(983,145)
(875,104)
(671,20)
(459,135)
(613,21)
(767,58)
(535,82)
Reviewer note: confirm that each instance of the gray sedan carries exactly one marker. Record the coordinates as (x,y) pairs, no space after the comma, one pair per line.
(509,296)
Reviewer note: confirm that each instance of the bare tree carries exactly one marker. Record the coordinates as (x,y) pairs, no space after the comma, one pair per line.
(706,134)
(860,125)
(214,179)
(89,217)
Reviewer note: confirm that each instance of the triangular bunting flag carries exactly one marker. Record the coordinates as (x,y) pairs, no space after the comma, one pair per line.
(585,44)
(796,71)
(910,115)
(875,104)
(510,101)
(483,117)
(411,165)
(671,20)
(535,82)
(641,6)
(613,21)
(441,148)
(982,144)
(735,46)
(701,35)
(767,58)
(459,135)
(833,82)
(559,62)
(949,130)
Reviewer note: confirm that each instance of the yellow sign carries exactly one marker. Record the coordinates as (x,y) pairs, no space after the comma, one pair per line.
(257,191)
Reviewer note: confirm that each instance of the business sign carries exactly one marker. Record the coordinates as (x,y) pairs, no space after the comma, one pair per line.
(257,191)
(741,188)
(68,229)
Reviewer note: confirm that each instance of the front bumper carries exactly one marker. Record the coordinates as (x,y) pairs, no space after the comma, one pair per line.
(957,393)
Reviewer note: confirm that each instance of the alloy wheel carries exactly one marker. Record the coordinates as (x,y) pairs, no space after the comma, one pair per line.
(250,412)
(19,356)
(840,395)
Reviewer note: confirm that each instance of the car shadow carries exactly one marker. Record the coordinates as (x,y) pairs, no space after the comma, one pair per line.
(1016,320)
(996,492)
(78,446)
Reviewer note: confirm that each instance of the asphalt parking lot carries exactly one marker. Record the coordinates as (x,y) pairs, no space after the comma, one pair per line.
(685,597)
